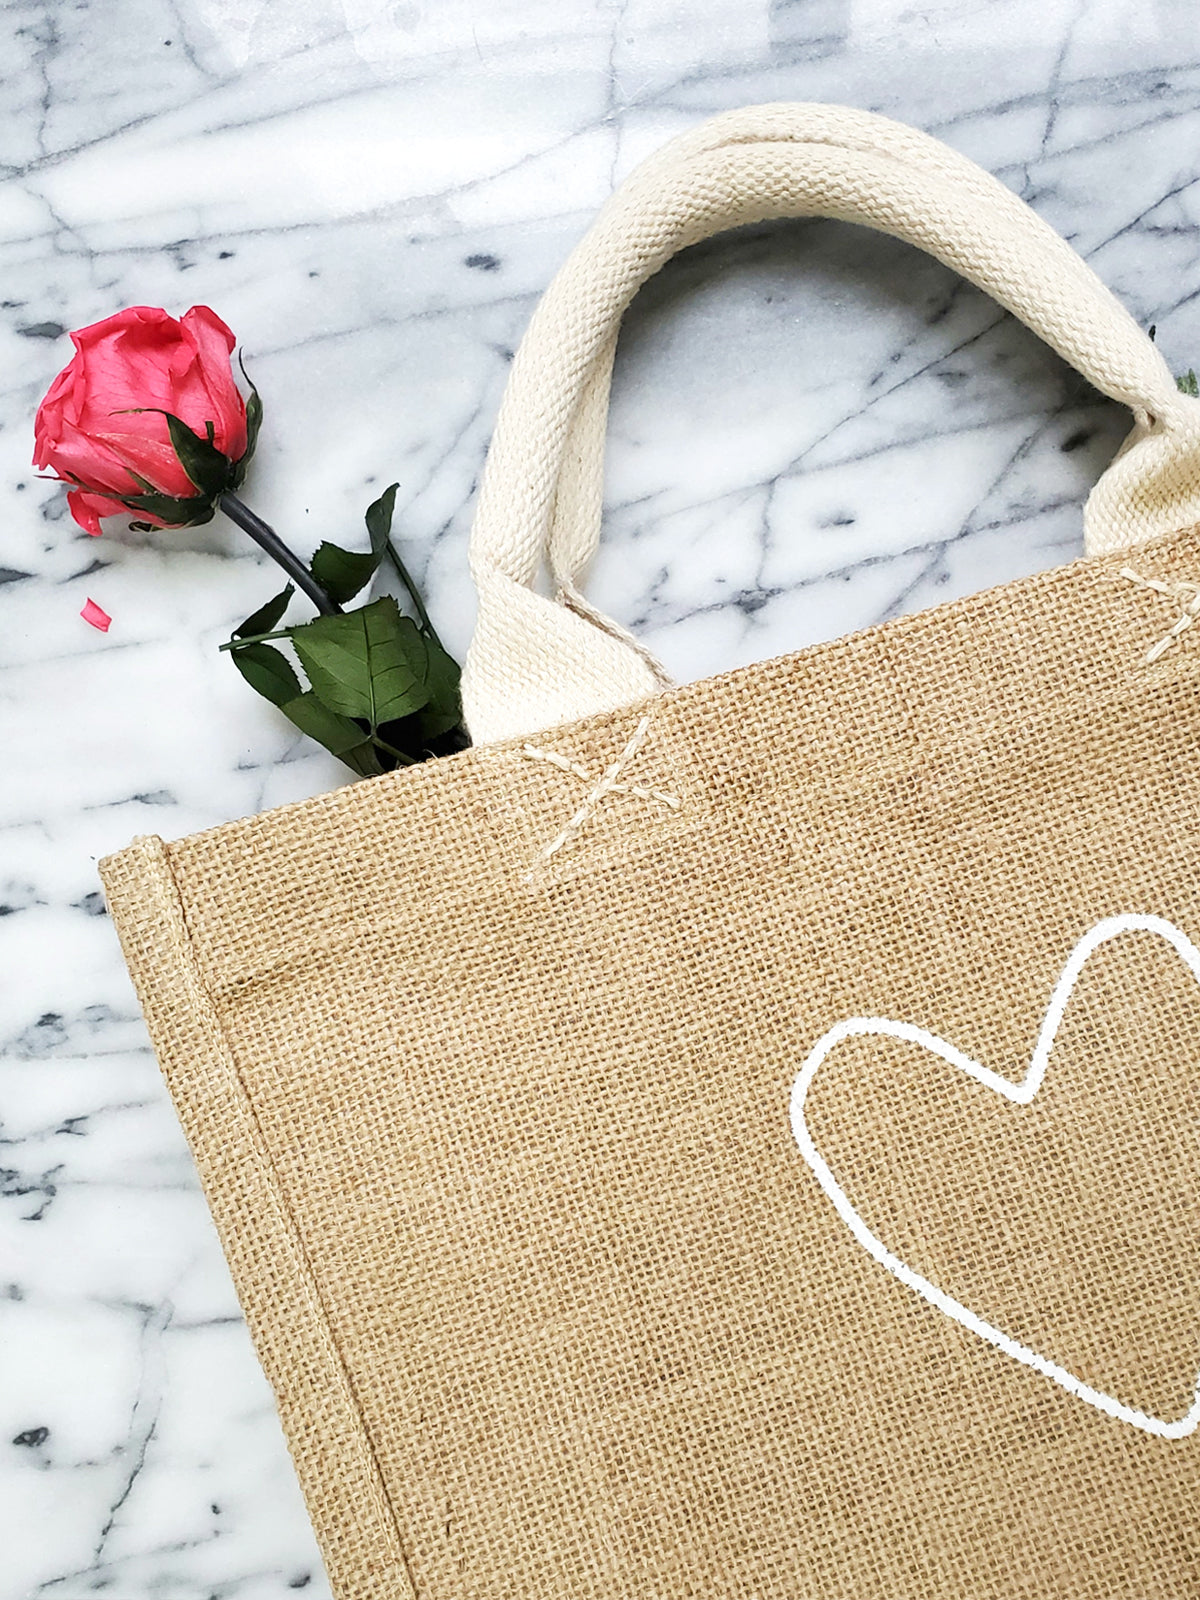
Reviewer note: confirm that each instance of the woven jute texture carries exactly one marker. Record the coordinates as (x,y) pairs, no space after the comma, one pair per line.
(502,1139)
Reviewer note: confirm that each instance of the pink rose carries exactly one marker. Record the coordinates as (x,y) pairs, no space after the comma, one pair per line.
(147,418)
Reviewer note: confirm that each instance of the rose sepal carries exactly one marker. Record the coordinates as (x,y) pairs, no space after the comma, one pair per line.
(210,469)
(254,417)
(173,512)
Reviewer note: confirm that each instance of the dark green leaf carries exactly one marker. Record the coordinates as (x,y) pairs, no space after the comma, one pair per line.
(433,724)
(1188,385)
(425,732)
(268,671)
(340,735)
(379,519)
(369,663)
(265,618)
(442,674)
(365,760)
(415,735)
(434,721)
(343,573)
(443,710)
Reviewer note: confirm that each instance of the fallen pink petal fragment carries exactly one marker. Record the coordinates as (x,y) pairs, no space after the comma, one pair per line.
(96,616)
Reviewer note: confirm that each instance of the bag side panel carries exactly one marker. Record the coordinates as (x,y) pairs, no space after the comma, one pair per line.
(339,1476)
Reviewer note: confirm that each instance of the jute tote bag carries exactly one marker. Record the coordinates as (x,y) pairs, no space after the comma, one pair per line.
(738,1139)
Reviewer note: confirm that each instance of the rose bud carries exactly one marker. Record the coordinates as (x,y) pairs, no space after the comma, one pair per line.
(147,418)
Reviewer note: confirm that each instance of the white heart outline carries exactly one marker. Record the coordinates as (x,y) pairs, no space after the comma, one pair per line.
(1021,1094)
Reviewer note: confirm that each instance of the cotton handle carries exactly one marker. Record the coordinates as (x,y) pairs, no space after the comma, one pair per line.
(535,661)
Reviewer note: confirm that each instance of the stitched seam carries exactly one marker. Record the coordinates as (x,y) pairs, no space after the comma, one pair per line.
(639,791)
(1187,597)
(205,1009)
(596,794)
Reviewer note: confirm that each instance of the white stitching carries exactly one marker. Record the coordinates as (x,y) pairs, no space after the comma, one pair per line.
(638,790)
(1186,595)
(607,783)
(1021,1094)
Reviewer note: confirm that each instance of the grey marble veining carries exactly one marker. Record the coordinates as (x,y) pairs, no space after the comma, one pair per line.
(813,428)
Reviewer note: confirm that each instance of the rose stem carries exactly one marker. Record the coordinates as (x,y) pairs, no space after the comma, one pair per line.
(414,592)
(267,539)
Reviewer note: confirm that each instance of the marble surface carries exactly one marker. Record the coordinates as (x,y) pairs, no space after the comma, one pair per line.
(813,429)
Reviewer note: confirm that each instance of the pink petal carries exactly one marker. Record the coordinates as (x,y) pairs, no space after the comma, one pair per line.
(213,341)
(87,509)
(214,337)
(124,361)
(131,317)
(150,458)
(99,619)
(90,462)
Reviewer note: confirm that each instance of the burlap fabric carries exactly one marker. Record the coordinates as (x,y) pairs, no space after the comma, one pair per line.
(743,1143)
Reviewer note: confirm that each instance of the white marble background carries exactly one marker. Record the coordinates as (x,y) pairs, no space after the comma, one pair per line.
(813,429)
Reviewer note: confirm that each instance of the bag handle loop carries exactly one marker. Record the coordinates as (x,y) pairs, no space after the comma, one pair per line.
(534,661)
